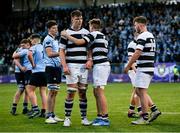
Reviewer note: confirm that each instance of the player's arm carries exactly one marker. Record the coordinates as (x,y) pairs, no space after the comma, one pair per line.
(89,62)
(63,61)
(73,39)
(134,57)
(16,55)
(51,53)
(18,64)
(133,65)
(31,59)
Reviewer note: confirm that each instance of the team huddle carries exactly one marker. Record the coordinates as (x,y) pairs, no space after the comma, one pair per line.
(79,50)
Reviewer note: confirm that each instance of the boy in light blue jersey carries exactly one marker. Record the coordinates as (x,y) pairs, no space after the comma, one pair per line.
(38,77)
(53,69)
(20,71)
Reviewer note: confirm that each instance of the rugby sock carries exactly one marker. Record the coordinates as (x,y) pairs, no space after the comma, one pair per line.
(43,111)
(153,108)
(49,114)
(83,107)
(99,116)
(68,107)
(14,105)
(35,108)
(145,116)
(105,116)
(139,109)
(25,105)
(131,107)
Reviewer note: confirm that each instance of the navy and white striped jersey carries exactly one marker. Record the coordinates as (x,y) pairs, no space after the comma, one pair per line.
(49,41)
(75,53)
(99,46)
(146,43)
(131,48)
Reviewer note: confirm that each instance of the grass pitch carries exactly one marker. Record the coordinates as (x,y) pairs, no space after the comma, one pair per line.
(165,95)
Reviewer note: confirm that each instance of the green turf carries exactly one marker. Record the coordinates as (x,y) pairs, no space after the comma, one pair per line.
(165,95)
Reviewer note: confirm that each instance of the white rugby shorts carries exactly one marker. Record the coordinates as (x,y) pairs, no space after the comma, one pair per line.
(100,74)
(142,80)
(78,73)
(132,75)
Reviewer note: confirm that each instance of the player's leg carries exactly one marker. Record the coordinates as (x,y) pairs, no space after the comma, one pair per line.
(100,77)
(142,82)
(82,89)
(21,87)
(42,91)
(154,110)
(27,76)
(53,80)
(34,80)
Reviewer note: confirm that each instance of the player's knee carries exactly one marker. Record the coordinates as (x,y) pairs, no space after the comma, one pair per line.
(21,88)
(82,92)
(53,87)
(71,89)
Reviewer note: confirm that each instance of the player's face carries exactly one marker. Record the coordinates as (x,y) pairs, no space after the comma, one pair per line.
(26,45)
(90,28)
(77,21)
(53,30)
(22,45)
(137,27)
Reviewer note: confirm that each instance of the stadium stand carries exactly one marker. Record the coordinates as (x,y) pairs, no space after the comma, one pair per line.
(117,26)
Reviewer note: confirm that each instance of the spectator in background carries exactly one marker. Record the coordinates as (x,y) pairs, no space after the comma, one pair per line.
(176,74)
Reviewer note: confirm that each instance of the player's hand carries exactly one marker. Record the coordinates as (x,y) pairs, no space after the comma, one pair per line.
(64,33)
(23,69)
(89,64)
(66,70)
(126,69)
(33,66)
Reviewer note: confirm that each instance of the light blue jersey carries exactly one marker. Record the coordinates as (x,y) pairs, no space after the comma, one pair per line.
(17,70)
(24,58)
(49,41)
(38,56)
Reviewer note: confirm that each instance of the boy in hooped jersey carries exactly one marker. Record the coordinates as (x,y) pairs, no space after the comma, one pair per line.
(144,57)
(101,69)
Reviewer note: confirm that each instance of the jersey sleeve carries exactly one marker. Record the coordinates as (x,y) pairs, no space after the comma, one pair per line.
(88,38)
(63,43)
(131,49)
(141,41)
(23,52)
(48,43)
(32,49)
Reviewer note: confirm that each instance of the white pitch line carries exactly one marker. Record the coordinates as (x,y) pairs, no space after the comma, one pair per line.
(166,113)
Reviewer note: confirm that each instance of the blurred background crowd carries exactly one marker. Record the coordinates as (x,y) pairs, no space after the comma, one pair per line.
(116,25)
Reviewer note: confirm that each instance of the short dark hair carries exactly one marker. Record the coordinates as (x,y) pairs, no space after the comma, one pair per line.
(96,23)
(77,13)
(35,36)
(51,23)
(25,41)
(140,19)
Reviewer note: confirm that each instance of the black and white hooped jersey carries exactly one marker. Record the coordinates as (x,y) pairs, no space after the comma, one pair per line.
(98,45)
(131,48)
(146,43)
(75,53)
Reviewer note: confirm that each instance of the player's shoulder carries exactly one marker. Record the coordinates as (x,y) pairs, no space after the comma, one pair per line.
(145,35)
(132,44)
(81,31)
(97,33)
(48,38)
